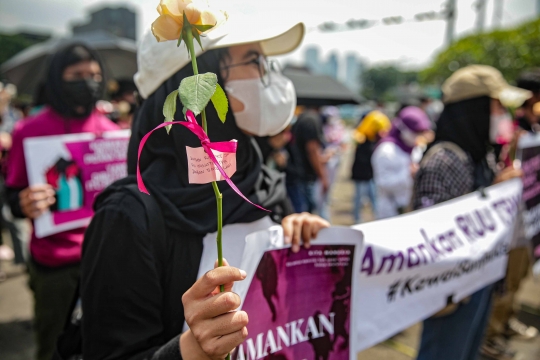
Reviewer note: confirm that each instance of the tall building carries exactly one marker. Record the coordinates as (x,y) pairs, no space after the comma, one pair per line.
(119,21)
(311,59)
(331,66)
(353,69)
(316,65)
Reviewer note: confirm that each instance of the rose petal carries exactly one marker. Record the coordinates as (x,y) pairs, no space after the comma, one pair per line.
(208,18)
(174,7)
(166,28)
(193,13)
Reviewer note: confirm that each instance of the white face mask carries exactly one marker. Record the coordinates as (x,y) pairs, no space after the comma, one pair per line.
(500,128)
(408,136)
(267,110)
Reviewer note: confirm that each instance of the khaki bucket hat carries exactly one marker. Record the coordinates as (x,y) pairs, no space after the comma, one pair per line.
(482,80)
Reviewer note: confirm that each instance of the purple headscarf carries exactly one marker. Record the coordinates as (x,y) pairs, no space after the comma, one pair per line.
(412,118)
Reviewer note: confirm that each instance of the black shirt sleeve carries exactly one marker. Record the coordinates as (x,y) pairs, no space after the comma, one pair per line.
(12,197)
(120,287)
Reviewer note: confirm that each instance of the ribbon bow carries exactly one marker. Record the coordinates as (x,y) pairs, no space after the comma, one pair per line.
(208,146)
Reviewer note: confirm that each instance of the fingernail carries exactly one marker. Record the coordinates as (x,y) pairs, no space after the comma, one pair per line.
(307,245)
(287,239)
(243,273)
(295,248)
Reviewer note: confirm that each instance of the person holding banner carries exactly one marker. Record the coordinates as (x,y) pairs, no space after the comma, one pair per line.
(74,84)
(458,163)
(503,323)
(136,297)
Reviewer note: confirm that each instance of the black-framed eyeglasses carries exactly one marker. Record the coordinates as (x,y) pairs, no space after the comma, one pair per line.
(264,66)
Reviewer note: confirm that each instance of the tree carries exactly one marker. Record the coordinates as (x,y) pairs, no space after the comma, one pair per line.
(379,81)
(10,45)
(510,51)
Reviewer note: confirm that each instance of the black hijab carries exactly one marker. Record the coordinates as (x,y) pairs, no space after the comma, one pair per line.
(466,123)
(55,92)
(188,207)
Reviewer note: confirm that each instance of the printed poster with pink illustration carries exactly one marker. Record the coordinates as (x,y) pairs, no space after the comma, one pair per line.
(529,154)
(299,304)
(78,167)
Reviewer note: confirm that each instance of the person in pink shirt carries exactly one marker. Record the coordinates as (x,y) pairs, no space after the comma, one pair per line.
(74,83)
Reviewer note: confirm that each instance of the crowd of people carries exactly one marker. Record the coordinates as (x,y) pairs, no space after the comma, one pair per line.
(128,270)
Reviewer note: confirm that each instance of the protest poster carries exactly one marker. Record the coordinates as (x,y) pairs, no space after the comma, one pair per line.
(413,265)
(299,304)
(529,154)
(78,167)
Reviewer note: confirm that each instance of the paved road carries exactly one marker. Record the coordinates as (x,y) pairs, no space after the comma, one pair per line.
(16,342)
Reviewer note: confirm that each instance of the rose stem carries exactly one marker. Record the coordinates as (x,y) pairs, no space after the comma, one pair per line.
(219,196)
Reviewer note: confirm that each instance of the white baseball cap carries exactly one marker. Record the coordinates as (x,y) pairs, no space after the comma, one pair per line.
(158,61)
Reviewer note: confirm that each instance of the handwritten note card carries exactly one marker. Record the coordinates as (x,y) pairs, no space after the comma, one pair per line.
(201,168)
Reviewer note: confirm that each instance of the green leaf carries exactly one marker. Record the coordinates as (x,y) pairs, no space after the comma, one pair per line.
(196,91)
(219,99)
(186,27)
(203,28)
(186,24)
(197,37)
(169,108)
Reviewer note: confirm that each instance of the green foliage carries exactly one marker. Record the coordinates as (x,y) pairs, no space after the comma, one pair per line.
(169,108)
(197,90)
(219,99)
(510,51)
(13,44)
(378,81)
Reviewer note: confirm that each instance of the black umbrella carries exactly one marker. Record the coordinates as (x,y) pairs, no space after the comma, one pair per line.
(319,90)
(27,68)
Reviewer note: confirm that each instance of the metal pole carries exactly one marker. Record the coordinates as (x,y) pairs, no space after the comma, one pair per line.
(451,14)
(481,6)
(498,13)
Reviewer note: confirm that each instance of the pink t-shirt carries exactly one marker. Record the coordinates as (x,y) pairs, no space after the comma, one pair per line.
(62,248)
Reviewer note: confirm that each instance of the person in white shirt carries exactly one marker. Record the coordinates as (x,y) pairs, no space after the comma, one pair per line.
(391,161)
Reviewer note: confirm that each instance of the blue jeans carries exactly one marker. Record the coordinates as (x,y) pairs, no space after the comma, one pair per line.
(363,189)
(302,196)
(457,336)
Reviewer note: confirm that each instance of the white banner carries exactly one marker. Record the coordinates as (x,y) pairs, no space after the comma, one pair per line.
(355,287)
(413,264)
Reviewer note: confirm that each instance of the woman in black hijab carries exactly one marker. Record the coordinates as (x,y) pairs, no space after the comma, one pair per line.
(458,163)
(130,294)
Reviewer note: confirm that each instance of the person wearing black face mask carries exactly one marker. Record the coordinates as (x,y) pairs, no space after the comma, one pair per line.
(73,84)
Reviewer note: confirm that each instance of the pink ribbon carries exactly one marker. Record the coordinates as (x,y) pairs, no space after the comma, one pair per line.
(195,128)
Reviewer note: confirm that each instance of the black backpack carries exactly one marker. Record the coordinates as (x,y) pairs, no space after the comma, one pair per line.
(69,343)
